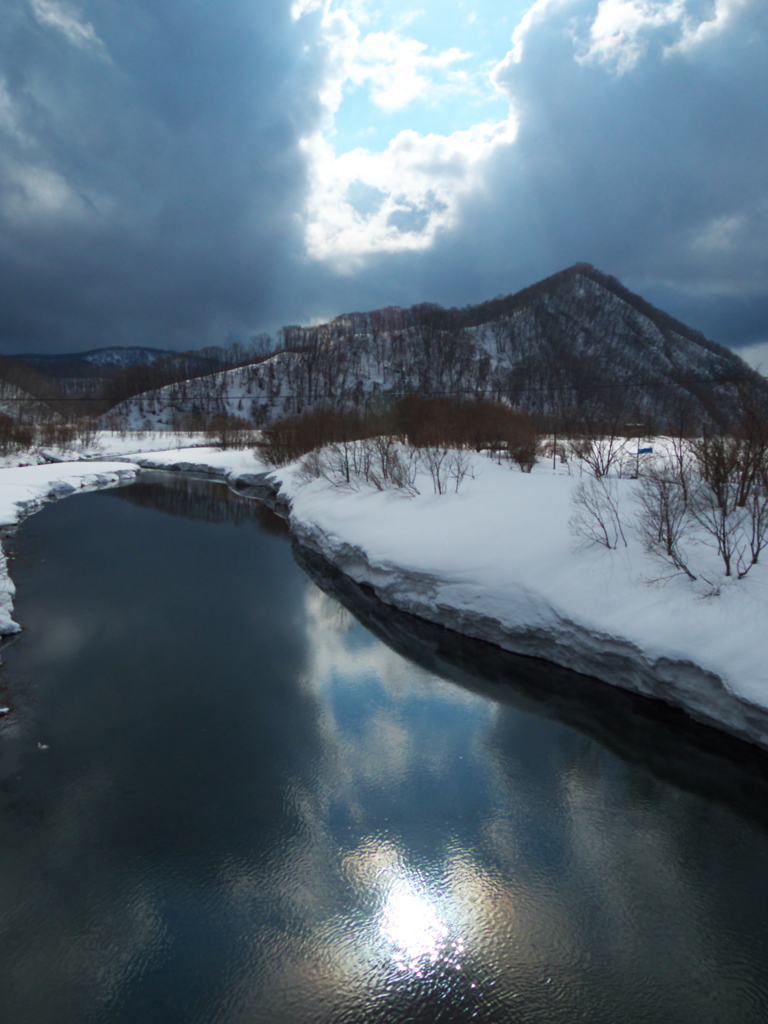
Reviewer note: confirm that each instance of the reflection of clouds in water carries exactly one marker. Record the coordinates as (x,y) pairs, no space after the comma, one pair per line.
(339,650)
(63,637)
(591,867)
(637,853)
(552,888)
(383,746)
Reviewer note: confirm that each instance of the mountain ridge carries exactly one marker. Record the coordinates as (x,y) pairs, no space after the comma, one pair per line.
(576,344)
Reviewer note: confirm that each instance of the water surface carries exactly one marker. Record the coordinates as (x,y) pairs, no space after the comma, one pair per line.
(224,799)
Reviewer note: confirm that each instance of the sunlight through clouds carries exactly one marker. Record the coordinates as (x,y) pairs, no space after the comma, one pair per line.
(414,187)
(175,174)
(399,71)
(362,201)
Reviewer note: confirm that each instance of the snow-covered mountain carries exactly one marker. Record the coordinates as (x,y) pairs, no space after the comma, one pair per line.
(116,355)
(577,344)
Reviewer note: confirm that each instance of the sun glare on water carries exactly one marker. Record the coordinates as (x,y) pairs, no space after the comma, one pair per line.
(420,938)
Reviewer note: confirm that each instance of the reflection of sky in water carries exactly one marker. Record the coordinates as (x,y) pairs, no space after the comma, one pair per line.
(292,823)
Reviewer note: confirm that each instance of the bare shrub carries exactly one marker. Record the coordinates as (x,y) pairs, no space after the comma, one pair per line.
(715,491)
(730,500)
(434,459)
(523,445)
(293,436)
(664,518)
(15,435)
(595,518)
(229,432)
(382,462)
(86,430)
(58,434)
(459,466)
(392,464)
(599,453)
(454,423)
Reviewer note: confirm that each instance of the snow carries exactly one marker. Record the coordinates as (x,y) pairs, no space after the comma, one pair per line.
(24,489)
(498,561)
(503,550)
(105,444)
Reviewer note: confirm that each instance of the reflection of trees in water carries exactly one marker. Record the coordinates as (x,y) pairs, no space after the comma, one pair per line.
(662,739)
(209,500)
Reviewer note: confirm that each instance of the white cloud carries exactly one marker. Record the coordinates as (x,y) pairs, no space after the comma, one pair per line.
(301,7)
(341,38)
(395,67)
(721,234)
(66,19)
(363,202)
(619,35)
(34,193)
(398,69)
(38,192)
(620,32)
(536,14)
(415,186)
(756,355)
(695,34)
(8,118)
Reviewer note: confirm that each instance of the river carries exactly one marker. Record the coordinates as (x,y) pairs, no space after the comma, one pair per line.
(226,799)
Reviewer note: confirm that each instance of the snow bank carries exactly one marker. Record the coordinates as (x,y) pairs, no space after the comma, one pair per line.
(497,561)
(104,444)
(24,489)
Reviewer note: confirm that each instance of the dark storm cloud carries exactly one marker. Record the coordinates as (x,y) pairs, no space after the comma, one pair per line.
(150,169)
(152,181)
(656,175)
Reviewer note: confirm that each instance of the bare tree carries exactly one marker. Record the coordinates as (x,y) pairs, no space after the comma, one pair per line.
(730,498)
(435,459)
(595,518)
(665,518)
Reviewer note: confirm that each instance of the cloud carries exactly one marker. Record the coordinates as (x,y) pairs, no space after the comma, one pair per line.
(654,170)
(66,19)
(757,356)
(364,203)
(187,185)
(151,197)
(417,183)
(621,32)
(627,145)
(637,149)
(398,70)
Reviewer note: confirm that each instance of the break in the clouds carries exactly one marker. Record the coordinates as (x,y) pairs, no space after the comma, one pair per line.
(179,174)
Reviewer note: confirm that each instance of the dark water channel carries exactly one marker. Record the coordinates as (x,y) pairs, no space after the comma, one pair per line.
(225,799)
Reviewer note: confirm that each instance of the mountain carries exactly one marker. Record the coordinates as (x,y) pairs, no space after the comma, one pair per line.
(110,374)
(116,355)
(577,346)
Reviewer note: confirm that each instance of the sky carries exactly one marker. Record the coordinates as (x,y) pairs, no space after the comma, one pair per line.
(179,173)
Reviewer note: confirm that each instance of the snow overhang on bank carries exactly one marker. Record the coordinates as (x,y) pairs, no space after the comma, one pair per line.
(25,489)
(497,561)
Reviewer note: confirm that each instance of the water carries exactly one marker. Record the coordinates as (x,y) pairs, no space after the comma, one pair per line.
(224,799)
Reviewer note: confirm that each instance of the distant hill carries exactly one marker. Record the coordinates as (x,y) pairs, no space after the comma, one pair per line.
(577,344)
(107,375)
(91,362)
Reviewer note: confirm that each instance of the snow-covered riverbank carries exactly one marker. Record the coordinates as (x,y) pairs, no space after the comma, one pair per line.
(25,489)
(497,561)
